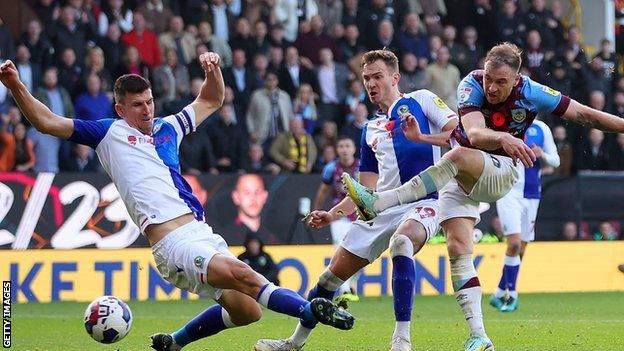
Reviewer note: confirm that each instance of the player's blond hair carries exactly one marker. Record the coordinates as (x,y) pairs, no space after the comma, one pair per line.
(505,54)
(387,56)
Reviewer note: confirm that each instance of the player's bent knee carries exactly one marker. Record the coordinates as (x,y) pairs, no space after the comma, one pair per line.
(246,278)
(401,245)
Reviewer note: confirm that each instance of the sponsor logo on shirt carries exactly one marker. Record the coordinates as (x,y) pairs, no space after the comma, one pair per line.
(440,103)
(464,94)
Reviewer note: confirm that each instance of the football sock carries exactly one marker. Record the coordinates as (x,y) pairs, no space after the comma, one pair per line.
(285,301)
(511,268)
(327,285)
(428,181)
(213,320)
(403,277)
(468,292)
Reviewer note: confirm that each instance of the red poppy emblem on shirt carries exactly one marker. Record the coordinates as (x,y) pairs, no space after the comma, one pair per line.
(132,139)
(389,126)
(498,119)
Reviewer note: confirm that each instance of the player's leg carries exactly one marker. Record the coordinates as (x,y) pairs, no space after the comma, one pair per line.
(461,163)
(342,266)
(339,229)
(510,212)
(408,239)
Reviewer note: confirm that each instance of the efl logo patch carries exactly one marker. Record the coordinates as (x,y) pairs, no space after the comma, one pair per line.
(550,91)
(464,94)
(439,103)
(518,114)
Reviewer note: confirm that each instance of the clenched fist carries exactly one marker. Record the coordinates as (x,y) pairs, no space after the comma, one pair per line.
(209,61)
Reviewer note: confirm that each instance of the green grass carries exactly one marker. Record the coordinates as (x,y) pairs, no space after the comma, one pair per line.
(584,321)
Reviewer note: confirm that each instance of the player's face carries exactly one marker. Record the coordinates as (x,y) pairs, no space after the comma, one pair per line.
(498,82)
(250,195)
(379,81)
(345,149)
(138,110)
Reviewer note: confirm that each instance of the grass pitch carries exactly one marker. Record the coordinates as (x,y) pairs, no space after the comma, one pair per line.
(584,321)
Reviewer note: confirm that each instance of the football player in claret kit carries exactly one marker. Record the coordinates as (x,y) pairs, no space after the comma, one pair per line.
(388,159)
(140,154)
(518,211)
(496,107)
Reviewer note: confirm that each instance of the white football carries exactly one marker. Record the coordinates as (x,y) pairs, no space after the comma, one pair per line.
(108,319)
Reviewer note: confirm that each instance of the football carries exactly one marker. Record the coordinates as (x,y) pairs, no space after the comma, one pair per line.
(108,319)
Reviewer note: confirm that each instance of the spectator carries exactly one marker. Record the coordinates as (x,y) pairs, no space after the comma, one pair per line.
(355,96)
(29,72)
(195,69)
(609,61)
(182,43)
(276,58)
(70,72)
(443,78)
(371,17)
(305,108)
(485,20)
(7,145)
(93,104)
(6,40)
(511,23)
(354,129)
(618,104)
(67,33)
(157,15)
(606,231)
(47,11)
(276,37)
(534,56)
(333,78)
(214,43)
(249,196)
(24,151)
(290,13)
(269,111)
(170,80)
(113,47)
(114,11)
(328,153)
(132,63)
(294,150)
(351,14)
(41,50)
(95,64)
(328,135)
(559,78)
(259,66)
(261,41)
(311,43)
(573,42)
(242,38)
(258,259)
(229,141)
(412,38)
(593,155)
(385,38)
(220,19)
(616,158)
(53,95)
(255,162)
(196,153)
(240,79)
(296,71)
(351,47)
(82,160)
(145,41)
(413,77)
(472,49)
(564,149)
(538,17)
(570,231)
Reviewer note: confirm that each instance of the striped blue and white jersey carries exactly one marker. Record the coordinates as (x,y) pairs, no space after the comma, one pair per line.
(529,184)
(145,168)
(386,151)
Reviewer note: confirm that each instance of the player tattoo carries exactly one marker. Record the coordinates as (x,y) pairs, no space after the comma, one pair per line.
(585,120)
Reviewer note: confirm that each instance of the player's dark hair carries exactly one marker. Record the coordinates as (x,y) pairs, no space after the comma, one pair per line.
(343,137)
(505,54)
(387,56)
(130,83)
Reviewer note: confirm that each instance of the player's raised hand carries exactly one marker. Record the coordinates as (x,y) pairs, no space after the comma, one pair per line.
(411,128)
(537,151)
(209,61)
(8,74)
(318,219)
(518,150)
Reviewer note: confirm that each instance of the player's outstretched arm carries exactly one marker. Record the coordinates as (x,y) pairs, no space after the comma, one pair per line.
(38,114)
(590,117)
(210,97)
(487,139)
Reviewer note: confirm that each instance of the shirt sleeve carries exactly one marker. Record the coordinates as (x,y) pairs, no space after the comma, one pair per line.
(368,161)
(90,133)
(470,95)
(328,171)
(183,121)
(435,109)
(544,98)
(551,156)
